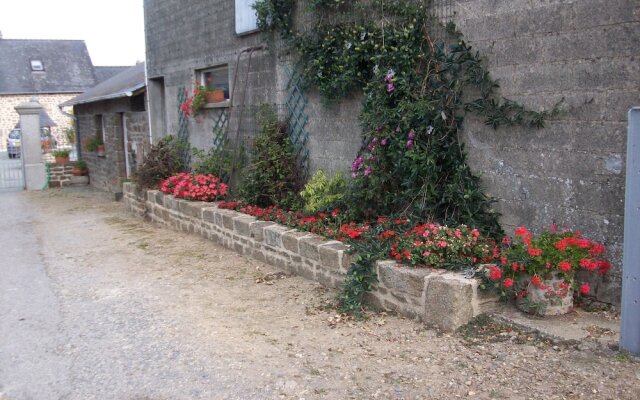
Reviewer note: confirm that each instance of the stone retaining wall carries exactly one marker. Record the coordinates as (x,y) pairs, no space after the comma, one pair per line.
(438,298)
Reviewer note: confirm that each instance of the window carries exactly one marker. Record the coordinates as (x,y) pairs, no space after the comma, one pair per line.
(99,127)
(246,18)
(216,78)
(37,65)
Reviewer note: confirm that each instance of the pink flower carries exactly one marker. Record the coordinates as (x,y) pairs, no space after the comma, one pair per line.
(535,281)
(564,266)
(585,288)
(495,273)
(390,87)
(507,283)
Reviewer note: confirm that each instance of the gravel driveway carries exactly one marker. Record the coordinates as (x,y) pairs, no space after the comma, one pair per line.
(98,305)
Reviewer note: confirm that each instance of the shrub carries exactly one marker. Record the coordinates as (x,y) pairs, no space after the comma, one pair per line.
(61,153)
(162,162)
(530,260)
(81,165)
(321,193)
(217,161)
(273,176)
(197,187)
(93,143)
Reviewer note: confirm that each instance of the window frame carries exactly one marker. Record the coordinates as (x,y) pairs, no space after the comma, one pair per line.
(33,63)
(200,77)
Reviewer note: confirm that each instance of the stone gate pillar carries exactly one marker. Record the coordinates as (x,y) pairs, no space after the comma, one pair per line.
(34,172)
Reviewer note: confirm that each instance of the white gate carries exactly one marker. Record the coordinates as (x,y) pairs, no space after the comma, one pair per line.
(11,172)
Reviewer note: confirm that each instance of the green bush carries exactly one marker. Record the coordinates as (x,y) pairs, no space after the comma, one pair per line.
(321,193)
(218,161)
(61,153)
(93,143)
(273,176)
(162,162)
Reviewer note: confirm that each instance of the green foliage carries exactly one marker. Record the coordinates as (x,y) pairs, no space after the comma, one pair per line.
(81,165)
(162,161)
(61,153)
(218,161)
(275,15)
(321,193)
(93,143)
(416,92)
(70,133)
(272,178)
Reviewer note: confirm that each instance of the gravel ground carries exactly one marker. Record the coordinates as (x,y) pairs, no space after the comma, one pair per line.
(101,305)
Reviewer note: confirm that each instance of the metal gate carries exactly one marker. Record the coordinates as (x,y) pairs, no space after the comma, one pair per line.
(11,172)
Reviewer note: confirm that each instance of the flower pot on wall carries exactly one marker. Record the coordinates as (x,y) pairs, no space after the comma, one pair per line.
(62,160)
(551,296)
(100,150)
(78,171)
(215,96)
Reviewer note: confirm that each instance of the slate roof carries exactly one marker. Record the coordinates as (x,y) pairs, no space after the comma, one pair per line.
(67,66)
(104,73)
(124,84)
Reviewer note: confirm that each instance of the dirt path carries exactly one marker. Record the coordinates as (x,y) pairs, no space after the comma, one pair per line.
(141,312)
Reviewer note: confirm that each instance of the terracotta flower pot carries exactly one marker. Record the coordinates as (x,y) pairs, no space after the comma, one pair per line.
(552,297)
(100,150)
(78,172)
(62,160)
(215,96)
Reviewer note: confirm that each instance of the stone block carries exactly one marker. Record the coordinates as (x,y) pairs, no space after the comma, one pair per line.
(227,219)
(257,230)
(309,247)
(208,214)
(402,280)
(451,301)
(160,198)
(242,225)
(331,255)
(192,208)
(273,235)
(290,240)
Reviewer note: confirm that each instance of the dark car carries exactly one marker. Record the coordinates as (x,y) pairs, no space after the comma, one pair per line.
(15,138)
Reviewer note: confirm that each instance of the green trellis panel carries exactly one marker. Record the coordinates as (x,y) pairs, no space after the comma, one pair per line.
(220,119)
(183,126)
(296,103)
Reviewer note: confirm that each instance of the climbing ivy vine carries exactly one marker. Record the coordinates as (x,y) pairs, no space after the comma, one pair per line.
(415,92)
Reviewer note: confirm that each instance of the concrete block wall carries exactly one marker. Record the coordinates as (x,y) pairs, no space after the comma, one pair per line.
(570,173)
(438,298)
(573,171)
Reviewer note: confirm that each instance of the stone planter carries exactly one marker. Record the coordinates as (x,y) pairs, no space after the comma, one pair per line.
(552,297)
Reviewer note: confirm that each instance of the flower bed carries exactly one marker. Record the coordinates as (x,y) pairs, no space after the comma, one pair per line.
(436,297)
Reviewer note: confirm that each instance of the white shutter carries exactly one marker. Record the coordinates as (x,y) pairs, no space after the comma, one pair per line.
(246,19)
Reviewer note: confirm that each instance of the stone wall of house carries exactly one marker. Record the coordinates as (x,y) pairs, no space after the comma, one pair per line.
(9,118)
(107,171)
(436,297)
(572,172)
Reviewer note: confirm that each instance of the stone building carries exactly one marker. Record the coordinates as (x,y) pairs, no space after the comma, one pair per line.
(114,111)
(572,172)
(54,71)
